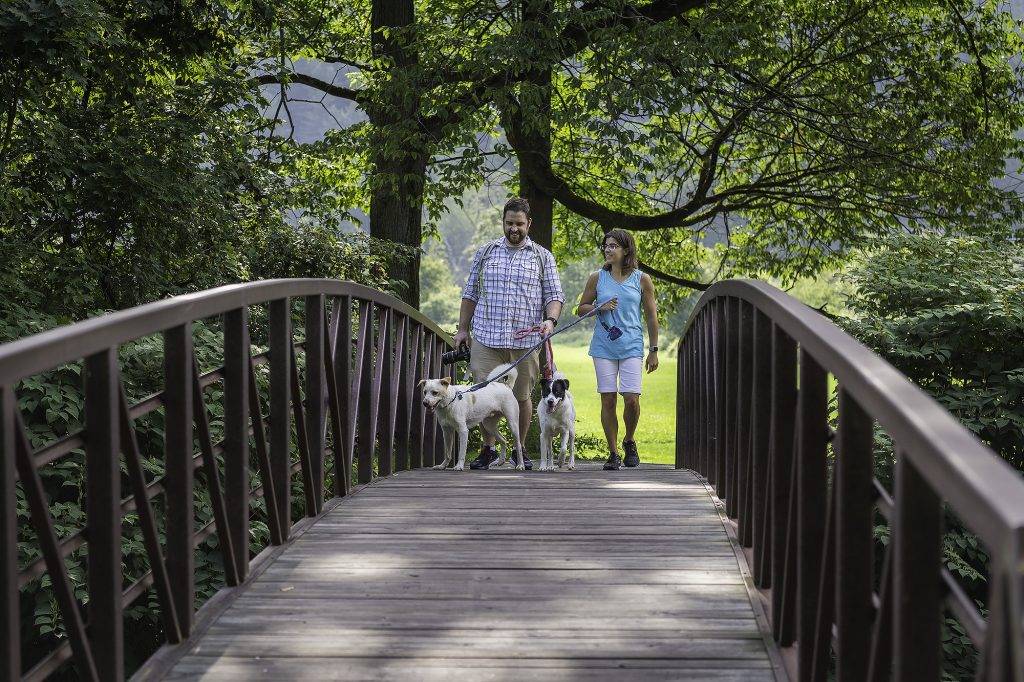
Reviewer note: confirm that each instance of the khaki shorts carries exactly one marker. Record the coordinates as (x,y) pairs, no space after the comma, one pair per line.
(483,359)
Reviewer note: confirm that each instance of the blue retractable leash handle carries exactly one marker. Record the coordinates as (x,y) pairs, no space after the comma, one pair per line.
(597,309)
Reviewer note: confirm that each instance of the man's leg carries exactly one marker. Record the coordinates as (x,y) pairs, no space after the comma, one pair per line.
(525,414)
(526,379)
(482,360)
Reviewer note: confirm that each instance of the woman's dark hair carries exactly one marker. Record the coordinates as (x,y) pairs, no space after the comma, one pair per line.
(628,244)
(516,204)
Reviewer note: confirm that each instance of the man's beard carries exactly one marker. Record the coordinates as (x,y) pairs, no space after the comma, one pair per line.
(515,236)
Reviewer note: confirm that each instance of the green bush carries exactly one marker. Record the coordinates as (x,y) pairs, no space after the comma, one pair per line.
(948,312)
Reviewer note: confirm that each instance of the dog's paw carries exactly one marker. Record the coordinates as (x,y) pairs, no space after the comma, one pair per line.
(520,467)
(571,467)
(459,467)
(438,466)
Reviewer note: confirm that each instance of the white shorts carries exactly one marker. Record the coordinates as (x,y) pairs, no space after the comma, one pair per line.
(628,372)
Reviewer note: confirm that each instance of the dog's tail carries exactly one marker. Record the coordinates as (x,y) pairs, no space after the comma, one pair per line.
(508,379)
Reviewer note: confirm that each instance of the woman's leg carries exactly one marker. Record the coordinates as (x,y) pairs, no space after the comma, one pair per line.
(630,413)
(630,373)
(610,421)
(607,379)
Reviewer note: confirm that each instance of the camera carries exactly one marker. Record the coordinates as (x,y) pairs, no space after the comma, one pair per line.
(460,354)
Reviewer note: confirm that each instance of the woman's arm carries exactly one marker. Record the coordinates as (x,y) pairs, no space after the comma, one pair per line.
(650,304)
(589,295)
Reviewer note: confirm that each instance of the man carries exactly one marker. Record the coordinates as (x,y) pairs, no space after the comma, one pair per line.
(513,285)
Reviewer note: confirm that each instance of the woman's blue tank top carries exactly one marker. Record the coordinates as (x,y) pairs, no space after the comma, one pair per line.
(626,317)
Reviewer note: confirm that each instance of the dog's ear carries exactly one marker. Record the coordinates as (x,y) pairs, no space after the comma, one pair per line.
(566,384)
(446,381)
(421,382)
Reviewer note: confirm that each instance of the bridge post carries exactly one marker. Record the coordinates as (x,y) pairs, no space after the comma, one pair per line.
(718,345)
(103,502)
(727,486)
(760,430)
(315,342)
(783,465)
(854,512)
(386,427)
(811,503)
(179,471)
(280,426)
(917,543)
(417,372)
(343,379)
(236,435)
(744,400)
(681,401)
(10,645)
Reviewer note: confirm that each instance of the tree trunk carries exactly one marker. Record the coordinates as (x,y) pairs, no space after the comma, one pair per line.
(536,97)
(398,171)
(396,214)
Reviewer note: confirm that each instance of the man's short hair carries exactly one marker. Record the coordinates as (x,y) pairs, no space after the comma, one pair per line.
(516,204)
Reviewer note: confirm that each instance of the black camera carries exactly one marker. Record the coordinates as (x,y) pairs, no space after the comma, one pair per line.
(460,354)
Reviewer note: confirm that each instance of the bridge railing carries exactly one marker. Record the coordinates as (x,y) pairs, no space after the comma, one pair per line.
(364,351)
(753,417)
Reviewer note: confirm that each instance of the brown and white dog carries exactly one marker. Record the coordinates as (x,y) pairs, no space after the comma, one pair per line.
(484,407)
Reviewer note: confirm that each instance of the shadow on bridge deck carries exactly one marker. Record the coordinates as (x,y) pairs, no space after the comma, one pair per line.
(496,576)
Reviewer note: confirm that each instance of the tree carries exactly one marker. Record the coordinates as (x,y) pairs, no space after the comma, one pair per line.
(429,76)
(135,160)
(770,147)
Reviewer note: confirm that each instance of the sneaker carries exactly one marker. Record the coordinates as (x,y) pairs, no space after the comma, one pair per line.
(527,463)
(614,462)
(632,456)
(485,459)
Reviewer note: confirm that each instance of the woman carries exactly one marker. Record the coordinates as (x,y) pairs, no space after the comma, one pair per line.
(618,342)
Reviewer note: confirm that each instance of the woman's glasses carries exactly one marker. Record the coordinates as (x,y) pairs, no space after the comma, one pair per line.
(610,245)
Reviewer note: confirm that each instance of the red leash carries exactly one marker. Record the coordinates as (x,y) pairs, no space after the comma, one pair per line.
(549,368)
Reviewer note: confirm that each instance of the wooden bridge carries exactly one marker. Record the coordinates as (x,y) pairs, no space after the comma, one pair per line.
(754,558)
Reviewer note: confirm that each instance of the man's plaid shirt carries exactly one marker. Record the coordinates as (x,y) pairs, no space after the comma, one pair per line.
(510,292)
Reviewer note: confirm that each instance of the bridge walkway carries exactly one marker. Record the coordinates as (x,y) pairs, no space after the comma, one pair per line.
(498,575)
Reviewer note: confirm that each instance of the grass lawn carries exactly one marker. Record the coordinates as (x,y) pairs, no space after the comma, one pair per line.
(655,437)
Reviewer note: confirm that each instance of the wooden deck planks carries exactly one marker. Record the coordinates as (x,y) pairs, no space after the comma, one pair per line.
(498,576)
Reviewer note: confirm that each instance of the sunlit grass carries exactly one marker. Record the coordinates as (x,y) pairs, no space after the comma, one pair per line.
(655,436)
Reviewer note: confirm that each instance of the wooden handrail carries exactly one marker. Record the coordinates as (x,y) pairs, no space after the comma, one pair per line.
(356,406)
(753,418)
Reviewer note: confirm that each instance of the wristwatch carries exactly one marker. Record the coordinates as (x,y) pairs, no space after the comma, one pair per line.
(653,349)
(554,322)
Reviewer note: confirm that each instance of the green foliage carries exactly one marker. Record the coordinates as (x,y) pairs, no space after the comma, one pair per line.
(441,296)
(948,312)
(136,160)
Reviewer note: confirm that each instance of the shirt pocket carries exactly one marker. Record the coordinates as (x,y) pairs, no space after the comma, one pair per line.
(526,274)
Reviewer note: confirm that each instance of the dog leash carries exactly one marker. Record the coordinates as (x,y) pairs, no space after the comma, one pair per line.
(549,353)
(547,339)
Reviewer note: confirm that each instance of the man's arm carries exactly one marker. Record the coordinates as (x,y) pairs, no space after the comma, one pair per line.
(466,310)
(551,291)
(470,295)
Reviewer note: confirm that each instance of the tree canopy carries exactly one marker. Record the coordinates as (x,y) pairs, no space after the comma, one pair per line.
(139,153)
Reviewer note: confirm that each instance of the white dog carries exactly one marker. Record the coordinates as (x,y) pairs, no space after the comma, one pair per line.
(457,415)
(557,416)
